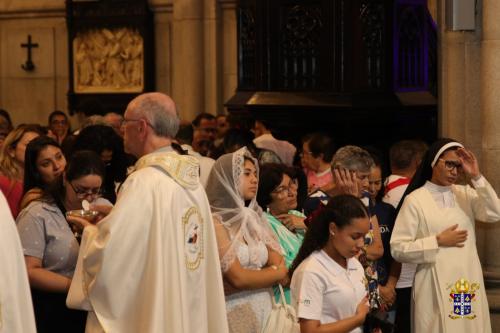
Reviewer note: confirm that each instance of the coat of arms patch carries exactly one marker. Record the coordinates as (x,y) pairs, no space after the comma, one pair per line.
(462,296)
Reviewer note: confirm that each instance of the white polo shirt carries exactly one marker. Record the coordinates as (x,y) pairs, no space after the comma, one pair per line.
(325,291)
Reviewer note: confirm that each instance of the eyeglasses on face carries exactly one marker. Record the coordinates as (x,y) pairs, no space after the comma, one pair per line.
(125,121)
(207,129)
(305,152)
(282,191)
(450,165)
(59,122)
(82,193)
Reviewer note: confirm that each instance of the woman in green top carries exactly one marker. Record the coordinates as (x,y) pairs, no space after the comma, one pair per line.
(277,195)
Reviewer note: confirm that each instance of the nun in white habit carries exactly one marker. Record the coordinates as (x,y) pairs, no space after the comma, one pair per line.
(435,228)
(16,309)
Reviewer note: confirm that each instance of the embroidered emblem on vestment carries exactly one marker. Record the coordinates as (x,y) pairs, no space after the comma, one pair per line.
(462,297)
(193,238)
(184,169)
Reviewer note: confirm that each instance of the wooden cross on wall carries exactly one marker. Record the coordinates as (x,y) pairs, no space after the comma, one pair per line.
(29,65)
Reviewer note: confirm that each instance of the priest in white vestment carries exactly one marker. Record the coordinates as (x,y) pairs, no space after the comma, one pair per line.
(151,265)
(16,308)
(435,229)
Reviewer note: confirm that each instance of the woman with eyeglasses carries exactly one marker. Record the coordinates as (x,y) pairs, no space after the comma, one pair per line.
(316,156)
(435,229)
(51,247)
(278,196)
(103,140)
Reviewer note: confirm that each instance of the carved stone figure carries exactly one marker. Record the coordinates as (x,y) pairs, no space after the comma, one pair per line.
(109,60)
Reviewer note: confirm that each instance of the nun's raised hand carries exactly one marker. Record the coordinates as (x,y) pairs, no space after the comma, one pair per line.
(469,162)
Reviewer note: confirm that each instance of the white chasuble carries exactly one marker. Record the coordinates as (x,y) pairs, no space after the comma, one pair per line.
(16,309)
(152,264)
(448,292)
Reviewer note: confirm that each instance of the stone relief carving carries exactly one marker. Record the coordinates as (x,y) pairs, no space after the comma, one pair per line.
(108,60)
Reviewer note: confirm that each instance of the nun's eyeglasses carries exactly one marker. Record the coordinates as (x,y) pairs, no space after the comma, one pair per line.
(450,165)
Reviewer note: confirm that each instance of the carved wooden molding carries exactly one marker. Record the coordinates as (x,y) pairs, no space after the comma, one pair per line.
(161,6)
(228,4)
(33,13)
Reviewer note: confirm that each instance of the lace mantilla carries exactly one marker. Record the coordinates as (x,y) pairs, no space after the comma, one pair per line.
(243,224)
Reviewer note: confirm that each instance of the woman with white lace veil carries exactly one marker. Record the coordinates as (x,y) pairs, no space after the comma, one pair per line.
(250,255)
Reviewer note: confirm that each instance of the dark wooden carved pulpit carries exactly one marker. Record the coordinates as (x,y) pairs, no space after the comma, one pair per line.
(362,70)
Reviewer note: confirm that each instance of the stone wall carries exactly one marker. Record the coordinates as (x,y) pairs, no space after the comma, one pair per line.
(195,56)
(469,73)
(31,96)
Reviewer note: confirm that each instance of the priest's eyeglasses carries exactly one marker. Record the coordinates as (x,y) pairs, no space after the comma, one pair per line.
(283,191)
(125,121)
(450,165)
(81,193)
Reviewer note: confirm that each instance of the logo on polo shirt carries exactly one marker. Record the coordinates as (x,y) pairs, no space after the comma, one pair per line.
(305,302)
(384,229)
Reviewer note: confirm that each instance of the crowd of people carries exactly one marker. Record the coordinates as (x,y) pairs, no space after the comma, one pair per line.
(200,226)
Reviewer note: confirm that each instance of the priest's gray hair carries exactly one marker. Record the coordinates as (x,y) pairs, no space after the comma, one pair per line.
(159,116)
(353,158)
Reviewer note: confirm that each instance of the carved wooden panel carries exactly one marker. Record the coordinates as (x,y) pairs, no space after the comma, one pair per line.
(300,44)
(373,27)
(337,65)
(315,45)
(247,43)
(415,47)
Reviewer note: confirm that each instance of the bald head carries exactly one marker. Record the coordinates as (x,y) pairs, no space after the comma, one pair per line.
(159,110)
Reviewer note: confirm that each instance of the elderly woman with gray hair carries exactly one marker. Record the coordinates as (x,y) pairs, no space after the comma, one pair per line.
(351,168)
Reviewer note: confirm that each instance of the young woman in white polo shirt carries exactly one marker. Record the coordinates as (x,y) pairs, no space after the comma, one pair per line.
(328,282)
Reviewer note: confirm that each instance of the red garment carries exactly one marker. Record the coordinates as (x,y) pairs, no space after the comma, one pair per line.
(318,180)
(13,192)
(396,183)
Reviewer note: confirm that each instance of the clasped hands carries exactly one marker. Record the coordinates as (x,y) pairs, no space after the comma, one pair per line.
(292,222)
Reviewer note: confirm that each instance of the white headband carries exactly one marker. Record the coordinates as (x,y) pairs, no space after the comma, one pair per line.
(443,148)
